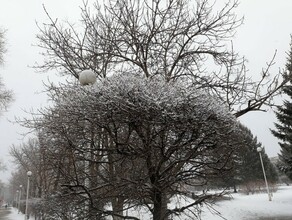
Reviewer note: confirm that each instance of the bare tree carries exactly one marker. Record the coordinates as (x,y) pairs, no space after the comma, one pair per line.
(148,141)
(33,156)
(2,45)
(168,135)
(2,166)
(174,39)
(71,148)
(27,157)
(124,145)
(5,95)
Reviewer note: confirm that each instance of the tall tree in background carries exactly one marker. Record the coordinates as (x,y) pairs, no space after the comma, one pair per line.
(245,164)
(250,169)
(5,95)
(283,128)
(2,46)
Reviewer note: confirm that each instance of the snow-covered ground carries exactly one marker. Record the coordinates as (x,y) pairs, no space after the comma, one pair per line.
(14,215)
(241,207)
(253,207)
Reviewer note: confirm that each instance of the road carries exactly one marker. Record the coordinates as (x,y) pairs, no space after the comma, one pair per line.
(4,212)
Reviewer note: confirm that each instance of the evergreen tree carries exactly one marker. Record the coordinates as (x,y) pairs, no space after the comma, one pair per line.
(246,165)
(283,129)
(283,132)
(251,168)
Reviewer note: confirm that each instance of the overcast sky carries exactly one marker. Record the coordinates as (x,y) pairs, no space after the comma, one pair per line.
(267,27)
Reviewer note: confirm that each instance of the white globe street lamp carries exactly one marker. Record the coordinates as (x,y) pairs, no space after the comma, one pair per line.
(259,149)
(29,173)
(87,77)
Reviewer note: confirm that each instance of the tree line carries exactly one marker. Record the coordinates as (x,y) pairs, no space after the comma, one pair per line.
(133,142)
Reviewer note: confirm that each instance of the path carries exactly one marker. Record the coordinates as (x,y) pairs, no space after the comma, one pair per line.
(276,218)
(4,212)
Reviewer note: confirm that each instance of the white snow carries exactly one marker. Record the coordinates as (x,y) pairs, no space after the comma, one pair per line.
(241,207)
(14,215)
(249,207)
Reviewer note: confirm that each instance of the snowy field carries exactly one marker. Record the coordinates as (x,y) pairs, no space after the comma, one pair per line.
(241,207)
(255,207)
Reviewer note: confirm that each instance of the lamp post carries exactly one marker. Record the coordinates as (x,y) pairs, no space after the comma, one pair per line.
(87,77)
(19,198)
(259,149)
(16,198)
(29,173)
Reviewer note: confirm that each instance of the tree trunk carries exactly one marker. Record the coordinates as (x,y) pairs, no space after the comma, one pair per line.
(117,201)
(117,204)
(160,206)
